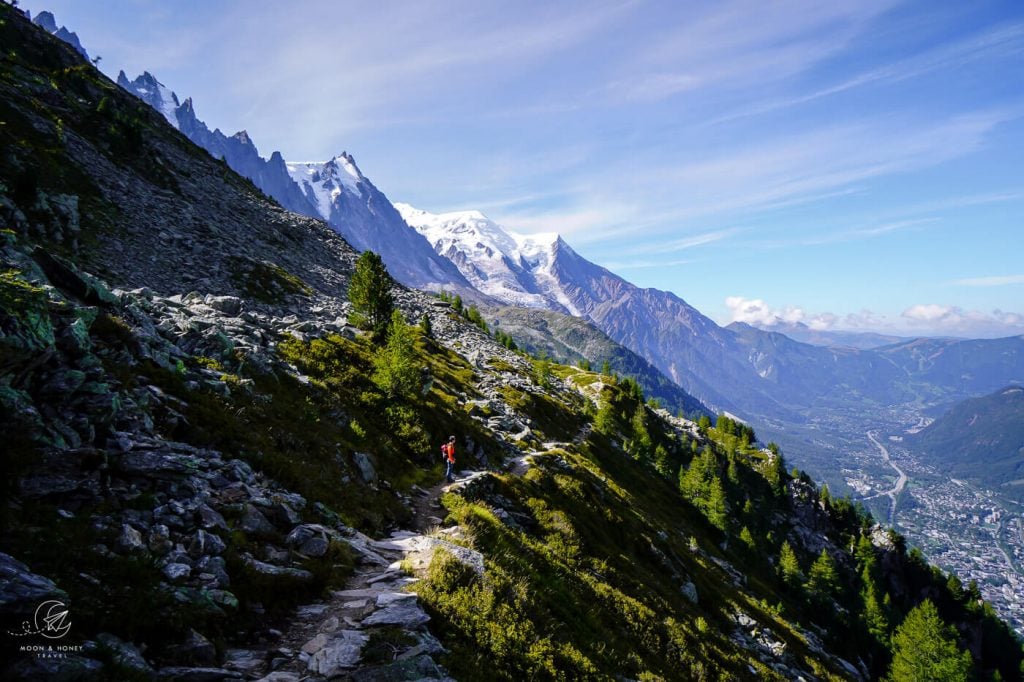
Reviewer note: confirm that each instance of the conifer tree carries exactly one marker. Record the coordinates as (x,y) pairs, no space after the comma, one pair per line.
(426,327)
(394,364)
(823,578)
(717,508)
(640,444)
(789,566)
(370,294)
(604,421)
(925,648)
(661,461)
(747,538)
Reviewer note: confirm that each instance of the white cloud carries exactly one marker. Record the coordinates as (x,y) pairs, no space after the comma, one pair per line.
(956,320)
(996,281)
(756,312)
(917,320)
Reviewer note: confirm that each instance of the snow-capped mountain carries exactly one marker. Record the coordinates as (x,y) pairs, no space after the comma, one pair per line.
(543,271)
(356,209)
(512,268)
(335,191)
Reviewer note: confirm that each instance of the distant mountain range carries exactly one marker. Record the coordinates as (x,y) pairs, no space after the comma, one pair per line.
(798,331)
(763,376)
(979,440)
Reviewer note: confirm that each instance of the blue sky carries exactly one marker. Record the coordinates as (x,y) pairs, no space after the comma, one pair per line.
(845,164)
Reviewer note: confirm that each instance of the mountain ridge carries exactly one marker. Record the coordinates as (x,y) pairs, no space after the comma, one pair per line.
(357,210)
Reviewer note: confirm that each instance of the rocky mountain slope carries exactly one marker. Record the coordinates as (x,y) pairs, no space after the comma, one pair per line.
(335,191)
(206,477)
(571,340)
(980,440)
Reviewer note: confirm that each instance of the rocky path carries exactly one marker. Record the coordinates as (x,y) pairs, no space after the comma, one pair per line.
(373,629)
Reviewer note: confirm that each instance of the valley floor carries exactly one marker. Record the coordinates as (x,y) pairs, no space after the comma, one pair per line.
(970,531)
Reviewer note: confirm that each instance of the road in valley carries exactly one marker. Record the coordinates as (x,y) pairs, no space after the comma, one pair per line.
(901,480)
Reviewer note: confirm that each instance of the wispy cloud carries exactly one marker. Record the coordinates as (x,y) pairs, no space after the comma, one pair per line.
(732,44)
(644,264)
(683,243)
(996,281)
(1001,42)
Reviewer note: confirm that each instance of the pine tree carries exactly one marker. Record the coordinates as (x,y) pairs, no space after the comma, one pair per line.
(604,421)
(661,461)
(426,327)
(370,294)
(640,444)
(394,364)
(823,578)
(747,538)
(925,648)
(789,566)
(716,507)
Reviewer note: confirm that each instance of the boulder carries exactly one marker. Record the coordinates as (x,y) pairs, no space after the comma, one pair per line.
(342,651)
(195,650)
(130,540)
(255,523)
(21,590)
(229,305)
(125,655)
(367,470)
(397,608)
(271,571)
(204,543)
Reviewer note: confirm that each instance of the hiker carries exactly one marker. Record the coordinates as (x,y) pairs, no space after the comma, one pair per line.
(448,455)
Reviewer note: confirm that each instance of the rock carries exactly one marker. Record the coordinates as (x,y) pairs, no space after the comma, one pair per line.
(70,669)
(21,591)
(316,644)
(310,539)
(342,651)
(205,543)
(315,547)
(70,279)
(245,661)
(255,523)
(210,518)
(156,464)
(130,540)
(195,650)
(175,572)
(689,591)
(185,674)
(282,513)
(229,305)
(419,668)
(215,566)
(280,676)
(397,608)
(364,462)
(160,540)
(271,571)
(125,655)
